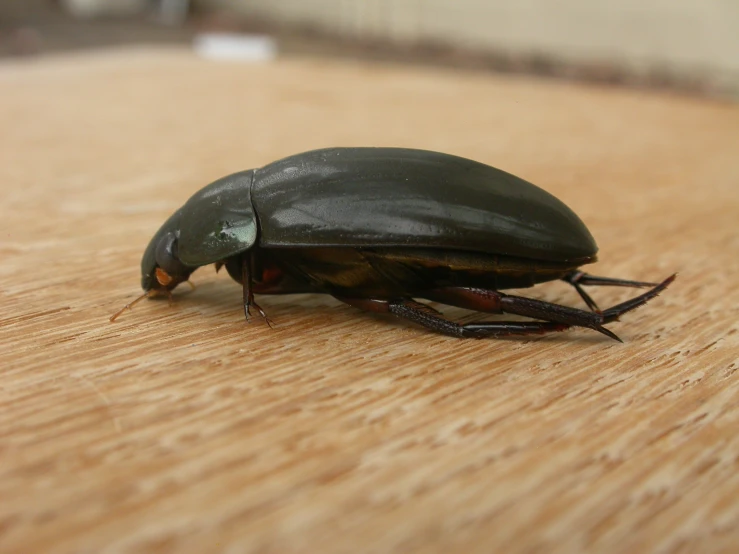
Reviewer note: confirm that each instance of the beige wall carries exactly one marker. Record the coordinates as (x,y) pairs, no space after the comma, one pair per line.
(682,34)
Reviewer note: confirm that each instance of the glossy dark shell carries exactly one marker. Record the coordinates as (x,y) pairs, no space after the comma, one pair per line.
(373,197)
(401,197)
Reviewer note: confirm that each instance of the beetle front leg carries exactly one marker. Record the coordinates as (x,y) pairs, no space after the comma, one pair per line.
(248,290)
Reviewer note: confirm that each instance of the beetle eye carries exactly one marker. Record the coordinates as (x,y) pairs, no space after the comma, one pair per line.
(166,256)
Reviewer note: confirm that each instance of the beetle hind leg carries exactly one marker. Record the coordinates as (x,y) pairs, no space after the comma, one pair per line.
(492,301)
(551,317)
(430,318)
(579,278)
(613,313)
(419,313)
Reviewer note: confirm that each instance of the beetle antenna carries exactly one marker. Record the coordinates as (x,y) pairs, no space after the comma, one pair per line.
(131,305)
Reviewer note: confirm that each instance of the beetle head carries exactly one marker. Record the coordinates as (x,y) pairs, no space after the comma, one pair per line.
(161,268)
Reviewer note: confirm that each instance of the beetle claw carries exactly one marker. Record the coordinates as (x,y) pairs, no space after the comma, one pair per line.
(263,314)
(248,316)
(608,333)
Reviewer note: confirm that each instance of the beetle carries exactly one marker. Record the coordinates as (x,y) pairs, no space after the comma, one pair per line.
(381,229)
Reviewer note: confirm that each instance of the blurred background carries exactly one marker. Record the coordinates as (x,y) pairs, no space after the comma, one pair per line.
(686,45)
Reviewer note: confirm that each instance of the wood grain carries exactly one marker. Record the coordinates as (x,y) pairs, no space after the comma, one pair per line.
(183,429)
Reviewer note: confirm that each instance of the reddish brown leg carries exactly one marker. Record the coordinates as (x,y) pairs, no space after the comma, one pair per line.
(497,302)
(491,301)
(428,317)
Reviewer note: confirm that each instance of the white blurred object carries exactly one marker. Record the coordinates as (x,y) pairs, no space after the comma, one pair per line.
(232,46)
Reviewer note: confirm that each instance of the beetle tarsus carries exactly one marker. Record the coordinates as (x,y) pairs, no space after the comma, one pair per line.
(579,278)
(613,313)
(262,313)
(247,314)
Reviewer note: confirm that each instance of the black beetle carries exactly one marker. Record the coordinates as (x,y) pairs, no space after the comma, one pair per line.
(380,227)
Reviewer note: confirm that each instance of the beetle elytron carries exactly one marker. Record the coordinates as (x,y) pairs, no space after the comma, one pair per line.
(379,228)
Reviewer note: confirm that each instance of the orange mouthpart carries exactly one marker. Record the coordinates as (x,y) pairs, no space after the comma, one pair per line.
(163,278)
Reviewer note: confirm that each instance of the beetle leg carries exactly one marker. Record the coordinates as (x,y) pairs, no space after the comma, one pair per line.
(418,313)
(492,301)
(428,317)
(554,316)
(248,291)
(578,278)
(613,313)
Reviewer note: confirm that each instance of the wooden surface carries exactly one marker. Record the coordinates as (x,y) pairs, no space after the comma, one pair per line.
(182,429)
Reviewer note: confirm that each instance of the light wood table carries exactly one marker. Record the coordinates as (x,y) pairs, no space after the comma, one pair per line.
(182,429)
